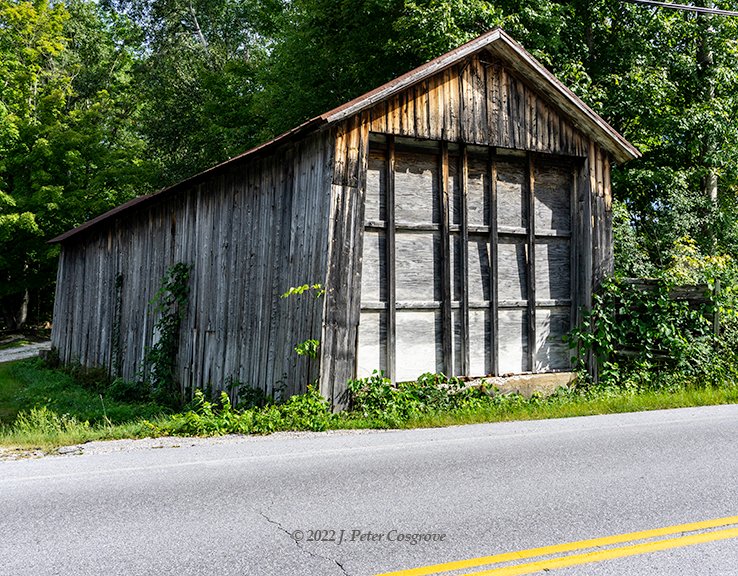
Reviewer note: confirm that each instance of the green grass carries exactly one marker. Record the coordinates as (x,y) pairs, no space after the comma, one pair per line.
(9,405)
(65,411)
(571,406)
(43,409)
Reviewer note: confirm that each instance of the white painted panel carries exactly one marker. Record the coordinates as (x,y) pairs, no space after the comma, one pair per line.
(418,345)
(553,268)
(478,195)
(551,351)
(456,341)
(511,190)
(480,351)
(416,188)
(479,268)
(374,274)
(417,266)
(511,269)
(372,342)
(513,343)
(376,191)
(553,197)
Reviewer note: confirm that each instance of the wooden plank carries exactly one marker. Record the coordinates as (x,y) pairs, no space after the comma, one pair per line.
(464,261)
(453,102)
(446,330)
(494,265)
(353,254)
(590,238)
(479,77)
(438,108)
(574,265)
(492,75)
(607,183)
(393,119)
(531,272)
(467,122)
(341,316)
(503,130)
(519,121)
(390,260)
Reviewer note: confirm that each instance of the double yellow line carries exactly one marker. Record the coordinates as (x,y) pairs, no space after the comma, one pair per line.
(587,557)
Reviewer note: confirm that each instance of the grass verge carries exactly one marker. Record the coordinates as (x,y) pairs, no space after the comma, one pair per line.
(582,405)
(44,409)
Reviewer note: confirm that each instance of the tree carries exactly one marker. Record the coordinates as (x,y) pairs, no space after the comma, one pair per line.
(69,151)
(196,80)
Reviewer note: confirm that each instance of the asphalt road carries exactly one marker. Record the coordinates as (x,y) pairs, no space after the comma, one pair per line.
(233,506)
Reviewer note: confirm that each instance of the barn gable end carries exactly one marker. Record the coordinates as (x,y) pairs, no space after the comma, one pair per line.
(483,105)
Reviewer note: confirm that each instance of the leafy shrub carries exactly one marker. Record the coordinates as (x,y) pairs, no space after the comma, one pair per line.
(170,303)
(308,348)
(377,398)
(645,338)
(309,411)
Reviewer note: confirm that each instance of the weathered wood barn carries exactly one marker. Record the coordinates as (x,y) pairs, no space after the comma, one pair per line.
(458,217)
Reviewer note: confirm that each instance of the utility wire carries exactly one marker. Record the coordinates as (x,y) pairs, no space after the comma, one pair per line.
(687,7)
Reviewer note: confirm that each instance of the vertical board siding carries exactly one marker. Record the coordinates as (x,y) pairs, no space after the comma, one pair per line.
(338,357)
(478,101)
(250,233)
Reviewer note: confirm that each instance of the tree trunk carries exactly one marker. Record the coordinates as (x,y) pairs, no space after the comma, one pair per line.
(15,310)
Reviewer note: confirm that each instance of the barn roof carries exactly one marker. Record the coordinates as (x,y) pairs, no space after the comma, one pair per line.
(496,42)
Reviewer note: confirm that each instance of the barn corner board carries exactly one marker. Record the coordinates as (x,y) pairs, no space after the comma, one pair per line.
(459,218)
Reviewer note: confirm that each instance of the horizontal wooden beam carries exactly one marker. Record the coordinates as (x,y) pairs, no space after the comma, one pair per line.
(473,304)
(403,226)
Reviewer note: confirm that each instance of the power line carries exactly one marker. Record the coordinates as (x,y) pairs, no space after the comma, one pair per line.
(687,7)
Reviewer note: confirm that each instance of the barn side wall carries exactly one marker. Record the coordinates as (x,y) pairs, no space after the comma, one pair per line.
(480,101)
(250,233)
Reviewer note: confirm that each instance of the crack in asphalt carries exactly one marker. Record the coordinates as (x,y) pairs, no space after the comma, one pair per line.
(300,546)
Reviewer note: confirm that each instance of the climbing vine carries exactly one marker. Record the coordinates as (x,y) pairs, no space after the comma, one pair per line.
(170,304)
(639,331)
(116,344)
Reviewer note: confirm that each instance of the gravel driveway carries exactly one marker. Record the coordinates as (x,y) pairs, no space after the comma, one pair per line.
(22,352)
